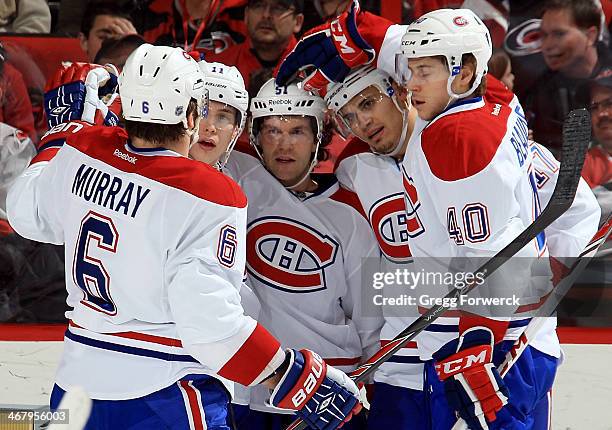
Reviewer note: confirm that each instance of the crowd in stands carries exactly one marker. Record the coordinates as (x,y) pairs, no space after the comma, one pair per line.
(555,55)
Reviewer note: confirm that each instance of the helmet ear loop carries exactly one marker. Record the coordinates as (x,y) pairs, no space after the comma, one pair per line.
(237,133)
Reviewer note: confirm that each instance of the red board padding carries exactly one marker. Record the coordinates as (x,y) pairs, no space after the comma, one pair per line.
(585,335)
(55,332)
(32,332)
(38,57)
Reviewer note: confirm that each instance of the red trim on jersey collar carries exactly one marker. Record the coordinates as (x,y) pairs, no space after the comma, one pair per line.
(349,198)
(354,146)
(108,144)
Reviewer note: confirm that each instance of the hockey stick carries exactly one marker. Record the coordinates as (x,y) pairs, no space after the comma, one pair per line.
(576,136)
(76,404)
(560,290)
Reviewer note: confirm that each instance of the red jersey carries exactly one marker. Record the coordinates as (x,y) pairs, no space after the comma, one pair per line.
(597,167)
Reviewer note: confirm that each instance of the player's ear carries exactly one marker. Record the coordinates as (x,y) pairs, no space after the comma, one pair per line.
(461,83)
(401,94)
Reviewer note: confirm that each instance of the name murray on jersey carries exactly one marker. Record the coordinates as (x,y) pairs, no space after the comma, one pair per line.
(101,188)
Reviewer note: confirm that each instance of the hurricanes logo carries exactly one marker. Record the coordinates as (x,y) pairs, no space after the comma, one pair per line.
(524,39)
(288,255)
(389,223)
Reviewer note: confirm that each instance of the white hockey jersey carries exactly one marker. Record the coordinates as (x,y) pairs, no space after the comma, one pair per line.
(469,195)
(377,181)
(304,258)
(155,255)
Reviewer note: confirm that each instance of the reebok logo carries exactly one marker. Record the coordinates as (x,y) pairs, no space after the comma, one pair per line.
(273,102)
(124,156)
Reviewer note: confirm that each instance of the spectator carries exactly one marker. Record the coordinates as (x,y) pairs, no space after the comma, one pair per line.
(210,25)
(598,164)
(329,9)
(16,151)
(103,20)
(116,51)
(500,67)
(570,33)
(271,26)
(25,16)
(15,106)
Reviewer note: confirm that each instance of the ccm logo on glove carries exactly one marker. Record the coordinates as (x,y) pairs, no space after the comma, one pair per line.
(310,383)
(339,36)
(466,359)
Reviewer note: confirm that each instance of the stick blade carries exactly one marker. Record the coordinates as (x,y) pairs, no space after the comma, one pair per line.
(576,138)
(78,404)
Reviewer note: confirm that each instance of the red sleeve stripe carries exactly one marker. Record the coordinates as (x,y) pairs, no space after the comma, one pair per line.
(342,361)
(252,358)
(46,155)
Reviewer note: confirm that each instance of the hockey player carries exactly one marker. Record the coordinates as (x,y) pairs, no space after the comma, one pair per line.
(306,241)
(370,106)
(155,252)
(471,207)
(227,113)
(582,221)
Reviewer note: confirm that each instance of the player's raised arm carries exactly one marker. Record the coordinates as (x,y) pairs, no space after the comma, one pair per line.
(328,52)
(72,104)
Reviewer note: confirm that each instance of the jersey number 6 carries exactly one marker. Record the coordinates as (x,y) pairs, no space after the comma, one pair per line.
(88,272)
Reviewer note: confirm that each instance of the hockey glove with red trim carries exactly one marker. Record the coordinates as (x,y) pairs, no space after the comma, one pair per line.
(75,92)
(332,48)
(472,384)
(322,396)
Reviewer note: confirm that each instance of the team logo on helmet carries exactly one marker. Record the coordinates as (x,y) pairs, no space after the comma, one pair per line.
(389,223)
(288,255)
(460,21)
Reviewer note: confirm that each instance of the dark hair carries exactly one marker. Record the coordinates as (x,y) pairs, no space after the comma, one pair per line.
(326,137)
(160,134)
(498,63)
(110,47)
(584,12)
(96,8)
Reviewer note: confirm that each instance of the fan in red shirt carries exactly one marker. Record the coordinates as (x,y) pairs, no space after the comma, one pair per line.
(598,164)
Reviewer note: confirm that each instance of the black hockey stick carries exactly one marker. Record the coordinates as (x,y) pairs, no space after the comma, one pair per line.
(576,136)
(550,305)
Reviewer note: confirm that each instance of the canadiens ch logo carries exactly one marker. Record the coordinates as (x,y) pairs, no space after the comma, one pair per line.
(288,255)
(389,223)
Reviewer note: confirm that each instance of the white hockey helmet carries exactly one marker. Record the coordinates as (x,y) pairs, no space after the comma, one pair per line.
(157,83)
(290,100)
(226,85)
(450,33)
(339,94)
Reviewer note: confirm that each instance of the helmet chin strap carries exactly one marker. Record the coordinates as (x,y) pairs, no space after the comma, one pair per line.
(453,96)
(194,133)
